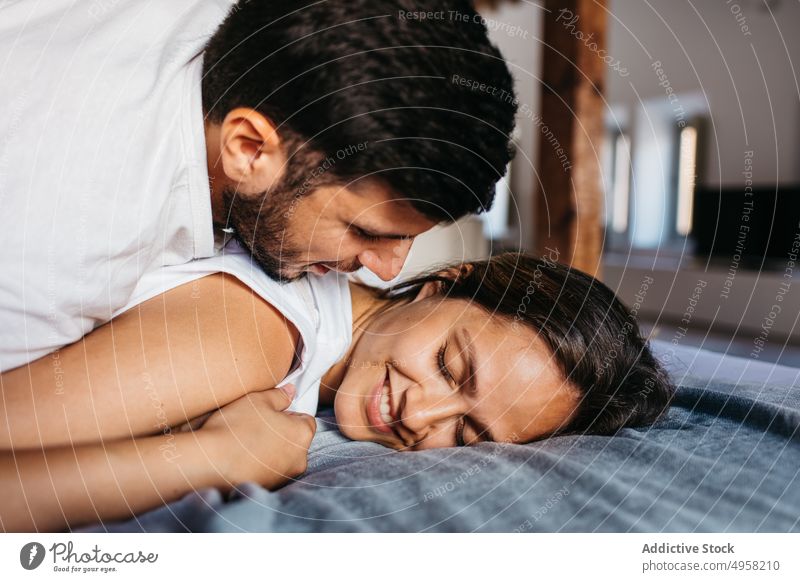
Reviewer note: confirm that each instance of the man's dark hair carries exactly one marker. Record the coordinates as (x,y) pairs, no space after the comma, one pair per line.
(595,339)
(419,81)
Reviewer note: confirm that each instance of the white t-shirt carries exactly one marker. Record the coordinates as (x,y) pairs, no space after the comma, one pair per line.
(319,307)
(103,170)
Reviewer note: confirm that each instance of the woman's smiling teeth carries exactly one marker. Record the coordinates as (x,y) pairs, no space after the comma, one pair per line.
(386,409)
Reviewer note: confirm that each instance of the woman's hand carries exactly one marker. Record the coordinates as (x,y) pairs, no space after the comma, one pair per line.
(261,441)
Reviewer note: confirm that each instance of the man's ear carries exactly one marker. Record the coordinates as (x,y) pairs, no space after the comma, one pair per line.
(253,156)
(434,287)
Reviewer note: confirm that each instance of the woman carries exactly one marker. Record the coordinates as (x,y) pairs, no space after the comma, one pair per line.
(510,349)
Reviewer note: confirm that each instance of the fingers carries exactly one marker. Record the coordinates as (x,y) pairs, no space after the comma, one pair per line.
(281,398)
(309,420)
(278,398)
(288,391)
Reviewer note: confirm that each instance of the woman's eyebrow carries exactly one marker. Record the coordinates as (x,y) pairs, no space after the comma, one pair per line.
(468,352)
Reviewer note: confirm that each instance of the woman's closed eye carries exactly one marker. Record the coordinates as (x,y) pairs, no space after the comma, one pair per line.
(460,432)
(442,365)
(445,372)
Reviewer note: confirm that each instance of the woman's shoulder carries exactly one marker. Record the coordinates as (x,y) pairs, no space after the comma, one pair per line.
(321,304)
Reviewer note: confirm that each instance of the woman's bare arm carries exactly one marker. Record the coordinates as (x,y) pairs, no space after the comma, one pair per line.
(251,439)
(179,355)
(48,489)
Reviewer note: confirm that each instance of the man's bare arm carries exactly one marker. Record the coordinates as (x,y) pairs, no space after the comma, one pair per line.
(179,355)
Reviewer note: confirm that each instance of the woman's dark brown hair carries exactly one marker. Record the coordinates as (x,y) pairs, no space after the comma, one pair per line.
(594,337)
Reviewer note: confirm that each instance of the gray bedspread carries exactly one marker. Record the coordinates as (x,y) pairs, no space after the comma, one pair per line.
(726,458)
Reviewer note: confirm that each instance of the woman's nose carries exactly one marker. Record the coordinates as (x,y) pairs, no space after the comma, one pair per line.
(424,408)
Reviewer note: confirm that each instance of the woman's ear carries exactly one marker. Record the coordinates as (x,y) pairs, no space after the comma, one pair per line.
(427,290)
(435,287)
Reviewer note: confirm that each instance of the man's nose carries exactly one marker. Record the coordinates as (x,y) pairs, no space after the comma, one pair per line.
(387,260)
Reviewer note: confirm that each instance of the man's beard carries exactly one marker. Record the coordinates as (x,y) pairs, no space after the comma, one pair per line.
(260,225)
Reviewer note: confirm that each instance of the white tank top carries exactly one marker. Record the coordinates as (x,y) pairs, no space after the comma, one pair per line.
(319,307)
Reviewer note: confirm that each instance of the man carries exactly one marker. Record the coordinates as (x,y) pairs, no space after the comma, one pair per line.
(324,136)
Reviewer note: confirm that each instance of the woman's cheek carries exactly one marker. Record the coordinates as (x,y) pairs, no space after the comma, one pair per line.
(343,410)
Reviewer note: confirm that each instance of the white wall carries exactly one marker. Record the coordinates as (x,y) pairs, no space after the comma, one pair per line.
(745,77)
(747,81)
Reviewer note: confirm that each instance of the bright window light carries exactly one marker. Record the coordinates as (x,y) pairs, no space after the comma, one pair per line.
(687,170)
(622,164)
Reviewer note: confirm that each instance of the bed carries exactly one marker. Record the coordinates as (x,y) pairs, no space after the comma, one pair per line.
(726,458)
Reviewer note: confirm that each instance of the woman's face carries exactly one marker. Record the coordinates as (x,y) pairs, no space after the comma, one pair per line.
(440,372)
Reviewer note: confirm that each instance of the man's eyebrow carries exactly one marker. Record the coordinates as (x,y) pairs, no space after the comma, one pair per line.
(377,234)
(468,350)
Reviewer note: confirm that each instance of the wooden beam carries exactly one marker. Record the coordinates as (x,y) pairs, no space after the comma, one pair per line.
(569,197)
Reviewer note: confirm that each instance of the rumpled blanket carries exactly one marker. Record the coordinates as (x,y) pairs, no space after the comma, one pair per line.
(726,458)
